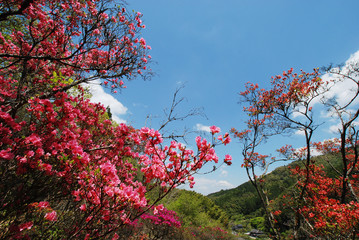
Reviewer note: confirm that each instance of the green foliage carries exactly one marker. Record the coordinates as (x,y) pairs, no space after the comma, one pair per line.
(59,80)
(207,233)
(194,209)
(258,223)
(242,203)
(244,199)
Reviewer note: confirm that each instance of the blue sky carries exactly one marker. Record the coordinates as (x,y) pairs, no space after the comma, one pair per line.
(215,47)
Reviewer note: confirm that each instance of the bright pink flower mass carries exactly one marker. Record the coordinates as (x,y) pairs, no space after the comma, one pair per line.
(73,166)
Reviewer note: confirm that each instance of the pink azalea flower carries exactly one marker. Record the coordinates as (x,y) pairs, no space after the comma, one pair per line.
(83,207)
(228,159)
(214,129)
(27,225)
(6,154)
(158,208)
(115,237)
(51,216)
(43,204)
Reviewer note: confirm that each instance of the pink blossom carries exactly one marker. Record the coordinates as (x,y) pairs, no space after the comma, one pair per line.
(143,41)
(228,159)
(227,139)
(158,208)
(214,129)
(115,237)
(6,154)
(43,204)
(27,225)
(34,139)
(83,207)
(51,216)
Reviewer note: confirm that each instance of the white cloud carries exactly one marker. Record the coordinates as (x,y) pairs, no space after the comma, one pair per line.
(335,128)
(313,152)
(300,132)
(328,114)
(140,105)
(299,112)
(224,173)
(202,128)
(343,90)
(99,95)
(180,83)
(206,186)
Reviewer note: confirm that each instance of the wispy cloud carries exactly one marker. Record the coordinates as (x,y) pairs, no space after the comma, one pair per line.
(299,132)
(335,128)
(140,105)
(99,95)
(206,186)
(202,128)
(224,173)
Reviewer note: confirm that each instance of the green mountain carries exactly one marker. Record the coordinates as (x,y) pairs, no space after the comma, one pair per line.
(243,201)
(201,218)
(195,209)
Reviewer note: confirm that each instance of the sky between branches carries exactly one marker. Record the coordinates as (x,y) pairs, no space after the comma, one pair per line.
(213,48)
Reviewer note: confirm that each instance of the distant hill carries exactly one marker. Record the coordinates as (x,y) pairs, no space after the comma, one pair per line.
(244,201)
(200,217)
(195,209)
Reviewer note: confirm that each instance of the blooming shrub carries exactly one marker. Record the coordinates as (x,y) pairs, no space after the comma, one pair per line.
(66,170)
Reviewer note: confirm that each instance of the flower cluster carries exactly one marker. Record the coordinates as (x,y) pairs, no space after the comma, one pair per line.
(164,216)
(325,212)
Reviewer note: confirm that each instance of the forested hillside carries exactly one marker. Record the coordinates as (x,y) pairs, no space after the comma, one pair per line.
(243,201)
(195,209)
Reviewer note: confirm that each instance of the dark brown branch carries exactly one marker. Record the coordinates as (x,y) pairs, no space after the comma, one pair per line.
(24,5)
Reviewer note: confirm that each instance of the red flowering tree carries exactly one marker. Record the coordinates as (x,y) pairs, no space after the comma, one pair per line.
(284,107)
(332,207)
(324,215)
(346,144)
(66,171)
(322,206)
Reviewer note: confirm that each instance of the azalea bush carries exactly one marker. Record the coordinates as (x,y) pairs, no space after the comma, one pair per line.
(162,224)
(66,170)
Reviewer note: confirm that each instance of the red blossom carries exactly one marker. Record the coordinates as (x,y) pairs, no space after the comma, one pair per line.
(51,216)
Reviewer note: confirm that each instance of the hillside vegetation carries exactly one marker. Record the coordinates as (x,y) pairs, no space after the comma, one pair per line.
(195,209)
(243,202)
